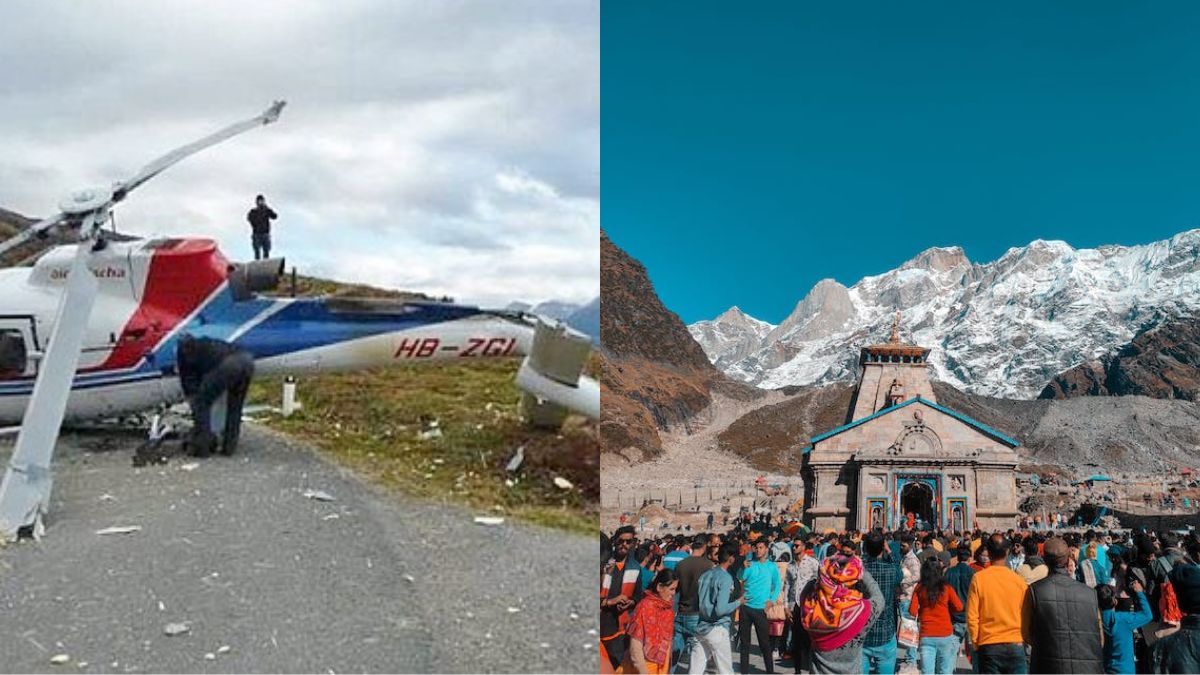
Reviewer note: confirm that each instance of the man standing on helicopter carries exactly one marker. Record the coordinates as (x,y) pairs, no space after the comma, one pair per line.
(260,218)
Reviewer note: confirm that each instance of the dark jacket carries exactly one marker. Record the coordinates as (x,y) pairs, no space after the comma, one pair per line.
(1062,625)
(1179,652)
(260,218)
(959,577)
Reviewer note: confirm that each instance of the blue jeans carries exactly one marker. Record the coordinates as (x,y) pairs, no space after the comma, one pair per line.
(1005,658)
(881,659)
(685,633)
(938,655)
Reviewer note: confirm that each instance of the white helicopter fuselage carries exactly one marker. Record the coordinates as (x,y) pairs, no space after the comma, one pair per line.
(153,292)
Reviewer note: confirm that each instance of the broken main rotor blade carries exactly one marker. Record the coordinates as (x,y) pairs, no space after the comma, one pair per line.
(25,490)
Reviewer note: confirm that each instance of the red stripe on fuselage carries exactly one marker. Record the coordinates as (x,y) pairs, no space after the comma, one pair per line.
(180,276)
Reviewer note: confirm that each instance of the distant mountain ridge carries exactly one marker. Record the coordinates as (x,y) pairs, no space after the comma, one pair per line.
(1003,329)
(653,374)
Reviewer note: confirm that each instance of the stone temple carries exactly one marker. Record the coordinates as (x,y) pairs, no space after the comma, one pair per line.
(901,453)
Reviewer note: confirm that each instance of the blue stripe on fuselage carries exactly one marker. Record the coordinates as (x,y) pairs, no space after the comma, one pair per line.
(300,324)
(309,323)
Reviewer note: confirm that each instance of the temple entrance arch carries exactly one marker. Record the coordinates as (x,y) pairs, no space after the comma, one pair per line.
(917,498)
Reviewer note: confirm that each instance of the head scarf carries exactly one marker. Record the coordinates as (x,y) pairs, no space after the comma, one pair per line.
(833,614)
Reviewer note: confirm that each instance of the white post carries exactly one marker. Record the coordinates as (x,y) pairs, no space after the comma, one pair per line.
(289,396)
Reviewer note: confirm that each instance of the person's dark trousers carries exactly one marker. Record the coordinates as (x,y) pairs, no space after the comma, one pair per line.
(801,645)
(1003,658)
(262,246)
(758,619)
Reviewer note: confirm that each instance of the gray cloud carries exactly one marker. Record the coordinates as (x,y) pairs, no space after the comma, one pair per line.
(448,147)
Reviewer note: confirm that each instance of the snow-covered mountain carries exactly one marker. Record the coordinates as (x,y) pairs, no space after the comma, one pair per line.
(1003,328)
(731,337)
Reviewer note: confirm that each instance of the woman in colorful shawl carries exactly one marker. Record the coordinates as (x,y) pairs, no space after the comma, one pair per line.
(652,627)
(836,612)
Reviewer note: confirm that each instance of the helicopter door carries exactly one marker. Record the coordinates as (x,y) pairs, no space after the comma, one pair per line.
(17,347)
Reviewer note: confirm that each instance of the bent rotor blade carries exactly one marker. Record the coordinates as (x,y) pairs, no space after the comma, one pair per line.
(25,490)
(32,231)
(159,165)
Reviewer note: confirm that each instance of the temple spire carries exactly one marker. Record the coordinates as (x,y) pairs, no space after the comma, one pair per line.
(896,329)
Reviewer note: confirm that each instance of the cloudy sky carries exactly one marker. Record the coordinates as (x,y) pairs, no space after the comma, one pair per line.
(444,147)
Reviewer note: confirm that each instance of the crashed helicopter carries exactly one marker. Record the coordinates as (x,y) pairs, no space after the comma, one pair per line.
(91,330)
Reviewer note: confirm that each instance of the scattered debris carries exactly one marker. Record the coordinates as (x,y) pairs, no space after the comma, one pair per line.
(210,657)
(429,435)
(107,498)
(120,529)
(517,458)
(223,649)
(488,520)
(574,616)
(544,645)
(162,607)
(562,483)
(332,516)
(410,579)
(508,482)
(174,629)
(588,646)
(81,664)
(592,631)
(190,466)
(59,659)
(514,610)
(319,495)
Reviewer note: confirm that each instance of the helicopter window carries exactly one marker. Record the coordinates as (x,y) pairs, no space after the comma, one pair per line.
(12,353)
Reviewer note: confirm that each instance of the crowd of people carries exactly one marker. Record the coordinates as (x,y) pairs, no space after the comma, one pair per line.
(871,602)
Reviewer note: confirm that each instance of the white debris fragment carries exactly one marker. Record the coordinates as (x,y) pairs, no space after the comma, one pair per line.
(574,616)
(59,659)
(223,649)
(429,435)
(410,579)
(120,529)
(508,482)
(562,483)
(162,607)
(173,629)
(81,664)
(488,520)
(190,466)
(588,646)
(544,645)
(107,498)
(517,458)
(592,631)
(319,495)
(332,516)
(210,657)
(514,610)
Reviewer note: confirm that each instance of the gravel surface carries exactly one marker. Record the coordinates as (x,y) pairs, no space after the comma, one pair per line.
(267,580)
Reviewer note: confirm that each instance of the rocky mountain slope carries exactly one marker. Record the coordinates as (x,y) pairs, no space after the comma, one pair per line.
(1003,328)
(653,374)
(1163,362)
(1075,435)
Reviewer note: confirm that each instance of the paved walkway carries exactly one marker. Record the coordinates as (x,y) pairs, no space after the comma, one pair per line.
(232,548)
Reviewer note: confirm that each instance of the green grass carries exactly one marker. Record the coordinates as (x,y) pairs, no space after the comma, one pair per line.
(370,422)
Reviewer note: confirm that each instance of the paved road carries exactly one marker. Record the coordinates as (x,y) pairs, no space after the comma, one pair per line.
(367,583)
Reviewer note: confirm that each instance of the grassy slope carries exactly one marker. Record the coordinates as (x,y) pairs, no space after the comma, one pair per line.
(370,421)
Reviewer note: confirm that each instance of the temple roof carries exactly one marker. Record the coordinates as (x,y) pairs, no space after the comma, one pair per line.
(980,426)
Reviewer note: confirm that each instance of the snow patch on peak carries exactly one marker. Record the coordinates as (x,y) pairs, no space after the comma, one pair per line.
(1003,328)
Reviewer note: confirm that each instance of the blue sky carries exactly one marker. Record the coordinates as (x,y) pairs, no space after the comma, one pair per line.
(748,154)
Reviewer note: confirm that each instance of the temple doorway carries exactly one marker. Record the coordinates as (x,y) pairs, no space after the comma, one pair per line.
(917,499)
